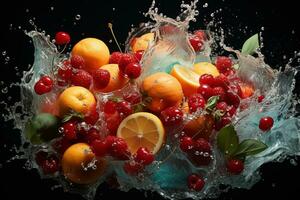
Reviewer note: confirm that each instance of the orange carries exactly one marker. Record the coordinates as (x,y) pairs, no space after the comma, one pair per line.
(142,43)
(247,90)
(163,90)
(94,52)
(117,81)
(76,98)
(77,164)
(142,129)
(188,79)
(206,68)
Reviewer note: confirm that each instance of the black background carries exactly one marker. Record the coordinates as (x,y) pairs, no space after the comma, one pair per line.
(281,37)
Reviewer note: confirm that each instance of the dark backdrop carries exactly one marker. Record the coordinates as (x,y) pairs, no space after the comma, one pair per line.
(281,37)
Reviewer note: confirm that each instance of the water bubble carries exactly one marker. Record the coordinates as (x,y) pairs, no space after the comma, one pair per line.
(51,8)
(77,17)
(61,129)
(4,90)
(262,28)
(4,53)
(7,58)
(113,9)
(205,5)
(293,162)
(110,41)
(19,27)
(27,10)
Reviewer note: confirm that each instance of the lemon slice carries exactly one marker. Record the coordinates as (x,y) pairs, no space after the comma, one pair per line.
(188,79)
(142,129)
(206,68)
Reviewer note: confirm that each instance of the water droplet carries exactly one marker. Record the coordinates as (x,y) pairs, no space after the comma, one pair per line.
(4,53)
(51,8)
(27,10)
(113,9)
(77,17)
(293,162)
(205,5)
(110,41)
(61,129)
(19,27)
(7,58)
(262,28)
(4,90)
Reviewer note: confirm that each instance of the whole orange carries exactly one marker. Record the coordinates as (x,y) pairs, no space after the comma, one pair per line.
(94,52)
(163,90)
(77,164)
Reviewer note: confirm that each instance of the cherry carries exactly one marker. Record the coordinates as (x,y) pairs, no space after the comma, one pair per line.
(196,42)
(125,60)
(64,74)
(119,149)
(201,34)
(206,79)
(139,54)
(70,130)
(195,182)
(205,90)
(196,101)
(110,107)
(124,108)
(171,116)
(144,156)
(133,70)
(99,147)
(132,167)
(266,123)
(91,135)
(44,85)
(235,166)
(232,99)
(221,81)
(40,157)
(61,145)
(133,98)
(223,63)
(223,122)
(101,78)
(62,38)
(222,106)
(115,57)
(186,144)
(231,111)
(112,122)
(219,91)
(202,145)
(82,78)
(92,117)
(50,165)
(260,98)
(77,62)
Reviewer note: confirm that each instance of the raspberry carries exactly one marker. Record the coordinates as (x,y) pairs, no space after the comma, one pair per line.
(82,78)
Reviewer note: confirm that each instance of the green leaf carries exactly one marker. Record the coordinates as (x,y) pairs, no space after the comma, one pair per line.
(211,103)
(251,45)
(250,147)
(227,140)
(70,115)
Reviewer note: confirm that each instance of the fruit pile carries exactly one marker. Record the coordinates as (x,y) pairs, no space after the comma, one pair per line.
(93,112)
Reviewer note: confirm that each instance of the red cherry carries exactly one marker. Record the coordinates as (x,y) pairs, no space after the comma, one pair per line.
(260,98)
(125,60)
(91,135)
(112,122)
(50,165)
(133,97)
(82,78)
(196,101)
(139,54)
(124,108)
(133,70)
(231,111)
(70,130)
(119,149)
(196,42)
(171,116)
(207,79)
(186,144)
(61,145)
(77,62)
(91,117)
(64,74)
(47,81)
(266,123)
(110,107)
(223,122)
(221,81)
(115,57)
(99,147)
(232,99)
(205,91)
(230,72)
(144,156)
(195,182)
(236,89)
(219,91)
(201,34)
(202,145)
(132,167)
(235,166)
(44,85)
(101,78)
(222,106)
(40,157)
(62,38)
(223,63)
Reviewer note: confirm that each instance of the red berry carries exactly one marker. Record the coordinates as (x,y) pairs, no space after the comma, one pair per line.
(235,166)
(132,167)
(195,182)
(112,122)
(133,97)
(236,89)
(221,81)
(223,63)
(70,130)
(196,101)
(47,81)
(91,135)
(61,145)
(99,147)
(202,145)
(144,156)
(125,60)
(64,74)
(232,99)
(82,78)
(44,85)
(196,42)
(171,116)
(133,70)
(77,61)
(207,79)
(222,106)
(115,57)
(186,144)
(139,54)
(40,157)
(219,91)
(230,72)
(62,38)
(266,123)
(231,111)
(223,122)
(110,107)
(205,91)
(91,117)
(124,108)
(201,34)
(260,98)
(101,78)
(119,149)
(50,165)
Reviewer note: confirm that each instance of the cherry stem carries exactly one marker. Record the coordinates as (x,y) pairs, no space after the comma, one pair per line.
(110,26)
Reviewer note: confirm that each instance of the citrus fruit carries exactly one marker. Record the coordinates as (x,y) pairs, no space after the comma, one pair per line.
(206,68)
(94,52)
(77,164)
(142,129)
(141,43)
(188,79)
(164,91)
(247,90)
(116,81)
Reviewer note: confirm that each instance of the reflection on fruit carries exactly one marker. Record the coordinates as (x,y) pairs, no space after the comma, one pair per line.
(116,81)
(94,52)
(188,79)
(76,98)
(206,68)
(141,43)
(164,91)
(142,130)
(77,164)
